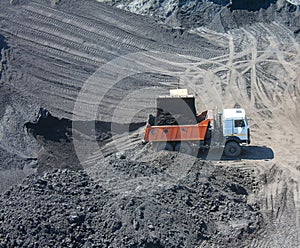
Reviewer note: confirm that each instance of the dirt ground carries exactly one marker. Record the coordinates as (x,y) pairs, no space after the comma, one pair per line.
(98,70)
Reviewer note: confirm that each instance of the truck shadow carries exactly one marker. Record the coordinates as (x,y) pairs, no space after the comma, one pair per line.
(248,152)
(257,153)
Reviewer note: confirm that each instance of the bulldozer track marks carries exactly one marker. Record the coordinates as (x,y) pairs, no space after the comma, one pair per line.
(255,66)
(44,40)
(99,37)
(65,44)
(105,30)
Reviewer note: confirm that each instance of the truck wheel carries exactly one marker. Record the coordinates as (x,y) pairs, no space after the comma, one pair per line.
(164,146)
(232,149)
(184,147)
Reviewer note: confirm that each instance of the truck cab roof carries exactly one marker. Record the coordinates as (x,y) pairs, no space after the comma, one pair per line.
(234,113)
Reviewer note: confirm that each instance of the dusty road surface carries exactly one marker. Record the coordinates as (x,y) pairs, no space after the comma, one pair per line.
(78,80)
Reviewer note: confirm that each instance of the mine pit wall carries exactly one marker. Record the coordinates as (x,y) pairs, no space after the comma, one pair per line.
(17,159)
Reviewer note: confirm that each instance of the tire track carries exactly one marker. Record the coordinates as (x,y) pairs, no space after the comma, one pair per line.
(55,37)
(56,54)
(278,197)
(44,41)
(54,75)
(99,39)
(123,35)
(102,28)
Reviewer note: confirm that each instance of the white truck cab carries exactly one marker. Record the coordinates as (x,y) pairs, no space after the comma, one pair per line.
(235,125)
(236,130)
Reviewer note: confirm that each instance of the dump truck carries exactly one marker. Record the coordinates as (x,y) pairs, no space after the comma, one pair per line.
(178,127)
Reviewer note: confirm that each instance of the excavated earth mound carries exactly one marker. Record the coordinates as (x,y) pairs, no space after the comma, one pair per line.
(65,208)
(78,80)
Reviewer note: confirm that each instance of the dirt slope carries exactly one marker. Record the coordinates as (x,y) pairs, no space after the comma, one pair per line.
(51,52)
(86,61)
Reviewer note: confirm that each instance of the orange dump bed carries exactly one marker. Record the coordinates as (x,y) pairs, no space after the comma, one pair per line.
(177,133)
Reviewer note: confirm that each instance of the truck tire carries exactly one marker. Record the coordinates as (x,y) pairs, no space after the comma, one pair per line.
(232,149)
(160,146)
(184,147)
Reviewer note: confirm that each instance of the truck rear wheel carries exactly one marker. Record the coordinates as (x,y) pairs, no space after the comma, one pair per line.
(232,149)
(160,146)
(184,147)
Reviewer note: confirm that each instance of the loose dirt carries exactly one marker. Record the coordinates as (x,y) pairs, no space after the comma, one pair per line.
(98,70)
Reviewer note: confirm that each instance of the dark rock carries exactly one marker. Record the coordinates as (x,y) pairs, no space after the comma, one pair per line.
(76,218)
(116,226)
(238,189)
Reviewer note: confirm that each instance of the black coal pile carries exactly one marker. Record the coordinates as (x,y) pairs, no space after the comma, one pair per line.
(176,111)
(56,210)
(166,118)
(67,208)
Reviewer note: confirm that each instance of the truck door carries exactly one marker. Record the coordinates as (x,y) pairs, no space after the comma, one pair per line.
(239,129)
